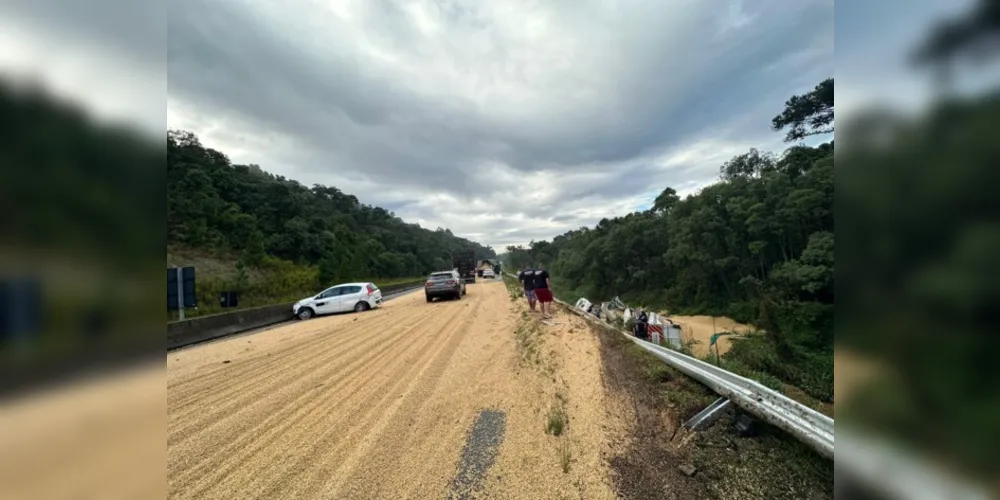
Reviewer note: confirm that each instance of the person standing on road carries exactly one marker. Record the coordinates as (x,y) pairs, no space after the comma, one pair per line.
(543,291)
(527,277)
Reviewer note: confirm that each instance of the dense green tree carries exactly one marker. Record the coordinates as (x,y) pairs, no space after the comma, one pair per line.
(666,200)
(807,114)
(214,205)
(757,246)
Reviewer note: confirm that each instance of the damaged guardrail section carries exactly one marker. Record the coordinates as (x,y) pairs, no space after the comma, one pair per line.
(805,424)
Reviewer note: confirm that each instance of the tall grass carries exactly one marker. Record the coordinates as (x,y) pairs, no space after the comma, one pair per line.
(755,356)
(514,288)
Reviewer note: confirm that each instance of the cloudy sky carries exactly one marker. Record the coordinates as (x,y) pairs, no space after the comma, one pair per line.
(505,121)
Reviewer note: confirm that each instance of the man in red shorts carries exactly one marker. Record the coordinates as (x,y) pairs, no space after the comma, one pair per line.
(543,291)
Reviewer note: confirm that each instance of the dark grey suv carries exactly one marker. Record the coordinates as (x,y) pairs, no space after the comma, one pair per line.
(444,284)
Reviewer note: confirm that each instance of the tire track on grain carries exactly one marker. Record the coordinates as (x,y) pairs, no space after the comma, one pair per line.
(311,338)
(208,483)
(268,361)
(300,373)
(379,446)
(427,444)
(347,339)
(249,444)
(361,438)
(253,366)
(255,444)
(278,408)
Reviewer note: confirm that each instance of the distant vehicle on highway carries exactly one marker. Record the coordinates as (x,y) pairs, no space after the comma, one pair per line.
(488,273)
(444,284)
(465,262)
(355,297)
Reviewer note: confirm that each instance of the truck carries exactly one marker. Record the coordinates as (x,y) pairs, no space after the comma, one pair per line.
(465,262)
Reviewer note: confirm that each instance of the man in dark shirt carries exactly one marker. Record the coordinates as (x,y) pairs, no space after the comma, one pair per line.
(641,324)
(542,291)
(527,278)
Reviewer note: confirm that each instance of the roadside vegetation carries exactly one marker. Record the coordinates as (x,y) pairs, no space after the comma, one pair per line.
(530,346)
(513,288)
(272,281)
(529,340)
(273,239)
(557,416)
(757,247)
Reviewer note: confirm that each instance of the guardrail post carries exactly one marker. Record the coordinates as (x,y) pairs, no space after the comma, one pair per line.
(711,414)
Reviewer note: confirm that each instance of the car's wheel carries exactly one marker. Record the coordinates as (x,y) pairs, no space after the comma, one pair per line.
(429,298)
(458,296)
(361,307)
(305,313)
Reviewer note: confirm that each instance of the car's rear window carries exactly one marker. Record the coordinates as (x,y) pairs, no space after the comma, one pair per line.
(441,276)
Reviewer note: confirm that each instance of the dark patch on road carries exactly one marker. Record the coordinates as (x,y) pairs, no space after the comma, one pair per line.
(481,449)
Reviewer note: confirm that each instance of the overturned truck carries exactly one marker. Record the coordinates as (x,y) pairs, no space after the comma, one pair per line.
(662,329)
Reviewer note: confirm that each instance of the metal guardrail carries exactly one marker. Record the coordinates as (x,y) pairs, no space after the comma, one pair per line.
(805,424)
(879,465)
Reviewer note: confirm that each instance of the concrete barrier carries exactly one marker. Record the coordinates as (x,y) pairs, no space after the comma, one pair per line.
(192,331)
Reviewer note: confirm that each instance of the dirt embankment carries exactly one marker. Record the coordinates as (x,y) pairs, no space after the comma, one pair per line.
(662,460)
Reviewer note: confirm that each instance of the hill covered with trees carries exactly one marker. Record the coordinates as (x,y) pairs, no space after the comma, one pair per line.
(756,246)
(301,238)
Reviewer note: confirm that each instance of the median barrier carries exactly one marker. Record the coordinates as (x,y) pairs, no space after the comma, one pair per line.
(201,329)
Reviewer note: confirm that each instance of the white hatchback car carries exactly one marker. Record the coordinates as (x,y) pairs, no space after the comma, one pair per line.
(355,297)
(488,273)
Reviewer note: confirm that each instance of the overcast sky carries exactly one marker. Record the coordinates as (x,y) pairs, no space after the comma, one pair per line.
(505,121)
(502,121)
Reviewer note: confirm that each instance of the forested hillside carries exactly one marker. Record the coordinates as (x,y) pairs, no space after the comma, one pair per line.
(217,206)
(756,246)
(274,240)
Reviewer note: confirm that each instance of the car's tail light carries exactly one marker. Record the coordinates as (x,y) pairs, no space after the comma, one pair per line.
(452,282)
(429,283)
(371,289)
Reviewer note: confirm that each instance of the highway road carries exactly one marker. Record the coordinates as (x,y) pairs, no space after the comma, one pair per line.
(414,400)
